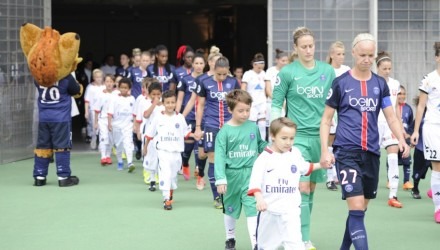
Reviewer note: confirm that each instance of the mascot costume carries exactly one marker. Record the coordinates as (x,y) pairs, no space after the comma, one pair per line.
(51,58)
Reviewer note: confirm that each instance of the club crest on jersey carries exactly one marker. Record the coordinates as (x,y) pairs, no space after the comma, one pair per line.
(209,144)
(179,85)
(177,125)
(322,77)
(376,90)
(228,85)
(348,188)
(330,93)
(293,168)
(277,81)
(252,136)
(230,209)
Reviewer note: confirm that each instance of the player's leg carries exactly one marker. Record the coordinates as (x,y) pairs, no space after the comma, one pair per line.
(165,176)
(290,231)
(186,155)
(62,143)
(248,203)
(128,147)
(103,141)
(42,154)
(420,168)
(431,139)
(201,157)
(406,163)
(119,145)
(231,204)
(269,231)
(209,146)
(390,143)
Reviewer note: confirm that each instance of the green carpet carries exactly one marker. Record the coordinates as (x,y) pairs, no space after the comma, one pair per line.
(115,210)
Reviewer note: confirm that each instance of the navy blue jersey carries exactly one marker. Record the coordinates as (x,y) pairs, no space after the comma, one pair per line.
(120,71)
(358,104)
(136,78)
(165,78)
(55,103)
(216,112)
(180,73)
(188,85)
(407,118)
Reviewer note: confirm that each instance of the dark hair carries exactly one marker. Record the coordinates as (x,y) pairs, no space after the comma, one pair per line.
(277,124)
(147,81)
(198,55)
(222,62)
(257,58)
(402,87)
(168,94)
(382,56)
(155,86)
(157,50)
(109,76)
(126,81)
(437,48)
(280,54)
(181,52)
(236,96)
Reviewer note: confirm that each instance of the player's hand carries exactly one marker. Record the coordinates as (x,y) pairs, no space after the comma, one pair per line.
(327,160)
(261,205)
(198,134)
(221,189)
(415,138)
(155,100)
(404,148)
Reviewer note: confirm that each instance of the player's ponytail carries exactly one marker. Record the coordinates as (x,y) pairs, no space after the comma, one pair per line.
(437,48)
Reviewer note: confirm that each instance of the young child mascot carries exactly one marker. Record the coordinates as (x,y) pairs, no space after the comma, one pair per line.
(51,58)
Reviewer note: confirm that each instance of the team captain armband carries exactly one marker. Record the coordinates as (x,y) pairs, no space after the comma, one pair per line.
(386,102)
(310,169)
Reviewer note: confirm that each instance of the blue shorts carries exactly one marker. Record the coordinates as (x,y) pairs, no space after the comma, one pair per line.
(54,135)
(209,139)
(358,173)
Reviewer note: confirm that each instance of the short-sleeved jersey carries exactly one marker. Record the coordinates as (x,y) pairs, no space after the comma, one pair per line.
(407,118)
(137,75)
(431,85)
(91,93)
(162,75)
(341,70)
(180,72)
(216,112)
(305,91)
(143,104)
(187,85)
(55,103)
(276,176)
(255,85)
(121,109)
(236,147)
(139,104)
(394,87)
(124,72)
(102,103)
(271,75)
(169,131)
(358,104)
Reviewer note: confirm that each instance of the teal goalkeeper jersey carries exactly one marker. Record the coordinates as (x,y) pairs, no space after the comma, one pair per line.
(236,147)
(305,92)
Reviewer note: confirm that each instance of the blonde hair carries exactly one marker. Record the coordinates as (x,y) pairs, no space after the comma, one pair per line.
(213,52)
(363,37)
(333,46)
(97,71)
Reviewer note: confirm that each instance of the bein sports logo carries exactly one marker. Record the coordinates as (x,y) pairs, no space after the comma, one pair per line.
(221,96)
(364,103)
(310,92)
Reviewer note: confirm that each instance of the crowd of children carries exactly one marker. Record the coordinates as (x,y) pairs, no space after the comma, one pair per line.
(152,110)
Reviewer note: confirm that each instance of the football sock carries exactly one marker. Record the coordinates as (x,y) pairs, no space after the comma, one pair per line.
(62,160)
(212,180)
(252,229)
(311,195)
(186,154)
(435,186)
(393,174)
(41,166)
(346,241)
(357,230)
(229,226)
(305,217)
(406,173)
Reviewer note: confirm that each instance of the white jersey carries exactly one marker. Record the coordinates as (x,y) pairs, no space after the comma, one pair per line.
(169,131)
(90,96)
(341,70)
(431,86)
(102,104)
(271,75)
(137,102)
(394,87)
(255,86)
(121,108)
(145,122)
(276,176)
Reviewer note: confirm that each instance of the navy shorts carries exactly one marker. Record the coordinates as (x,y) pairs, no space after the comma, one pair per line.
(358,173)
(54,135)
(209,139)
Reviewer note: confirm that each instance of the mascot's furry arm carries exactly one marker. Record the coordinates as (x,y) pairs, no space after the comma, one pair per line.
(50,56)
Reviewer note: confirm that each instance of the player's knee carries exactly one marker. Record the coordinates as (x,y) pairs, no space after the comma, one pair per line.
(43,153)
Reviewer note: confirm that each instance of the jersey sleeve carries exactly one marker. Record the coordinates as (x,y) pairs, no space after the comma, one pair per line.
(220,159)
(151,129)
(246,77)
(304,167)
(181,86)
(73,87)
(201,91)
(186,130)
(87,94)
(257,175)
(386,100)
(97,105)
(111,106)
(334,95)
(281,86)
(424,85)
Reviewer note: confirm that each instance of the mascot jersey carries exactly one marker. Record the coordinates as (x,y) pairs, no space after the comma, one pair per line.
(54,102)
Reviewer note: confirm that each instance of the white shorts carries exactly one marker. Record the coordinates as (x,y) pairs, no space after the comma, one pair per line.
(105,137)
(386,137)
(169,165)
(258,111)
(275,230)
(431,141)
(123,139)
(151,160)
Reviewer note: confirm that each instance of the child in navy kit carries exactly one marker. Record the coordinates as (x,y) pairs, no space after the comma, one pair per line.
(170,129)
(274,183)
(120,123)
(237,146)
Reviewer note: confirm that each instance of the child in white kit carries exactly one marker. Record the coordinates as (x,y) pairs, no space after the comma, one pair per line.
(89,102)
(151,108)
(275,185)
(101,119)
(170,129)
(120,123)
